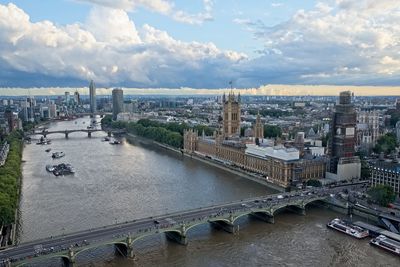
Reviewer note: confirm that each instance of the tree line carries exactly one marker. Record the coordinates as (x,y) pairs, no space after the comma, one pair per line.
(10,175)
(168,133)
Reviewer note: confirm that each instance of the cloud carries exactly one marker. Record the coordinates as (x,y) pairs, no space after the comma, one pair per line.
(163,7)
(277,4)
(336,42)
(109,49)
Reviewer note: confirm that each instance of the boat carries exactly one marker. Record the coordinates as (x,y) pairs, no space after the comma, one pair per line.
(90,127)
(57,155)
(348,228)
(43,141)
(63,169)
(115,142)
(48,150)
(105,139)
(50,168)
(387,244)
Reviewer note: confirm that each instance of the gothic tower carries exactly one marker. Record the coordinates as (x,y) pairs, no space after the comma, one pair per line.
(231,116)
(258,128)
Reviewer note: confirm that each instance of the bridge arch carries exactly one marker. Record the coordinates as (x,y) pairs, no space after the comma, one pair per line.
(39,259)
(285,206)
(250,212)
(311,201)
(90,247)
(160,231)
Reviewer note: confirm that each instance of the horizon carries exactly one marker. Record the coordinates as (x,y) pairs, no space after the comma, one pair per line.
(266,90)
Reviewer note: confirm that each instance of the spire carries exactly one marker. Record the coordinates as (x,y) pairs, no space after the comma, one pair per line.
(239,97)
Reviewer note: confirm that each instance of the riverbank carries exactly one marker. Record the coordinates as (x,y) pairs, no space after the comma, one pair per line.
(10,190)
(240,173)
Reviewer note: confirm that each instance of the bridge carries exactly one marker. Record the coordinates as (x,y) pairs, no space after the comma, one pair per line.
(174,225)
(66,132)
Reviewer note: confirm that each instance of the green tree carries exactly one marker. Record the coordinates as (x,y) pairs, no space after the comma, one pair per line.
(386,144)
(382,194)
(272,131)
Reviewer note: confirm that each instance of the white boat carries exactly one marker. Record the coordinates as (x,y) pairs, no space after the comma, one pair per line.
(50,168)
(387,244)
(348,228)
(57,155)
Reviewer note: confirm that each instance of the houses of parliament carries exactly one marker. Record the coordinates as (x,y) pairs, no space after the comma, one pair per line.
(278,164)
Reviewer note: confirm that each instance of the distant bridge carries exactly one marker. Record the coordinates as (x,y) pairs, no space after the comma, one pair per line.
(66,132)
(175,226)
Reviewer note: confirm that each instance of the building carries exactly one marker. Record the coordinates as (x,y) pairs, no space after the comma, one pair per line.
(118,102)
(344,164)
(231,115)
(386,173)
(92,97)
(77,98)
(367,130)
(279,165)
(398,131)
(258,128)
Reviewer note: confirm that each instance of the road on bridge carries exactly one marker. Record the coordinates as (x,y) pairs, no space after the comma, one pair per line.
(89,238)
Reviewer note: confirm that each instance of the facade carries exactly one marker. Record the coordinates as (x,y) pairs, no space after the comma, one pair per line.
(231,115)
(276,164)
(118,102)
(344,164)
(92,97)
(367,130)
(387,173)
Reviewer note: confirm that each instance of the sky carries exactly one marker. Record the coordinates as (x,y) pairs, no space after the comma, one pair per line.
(297,46)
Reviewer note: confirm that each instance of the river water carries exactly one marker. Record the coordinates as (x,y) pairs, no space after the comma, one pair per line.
(116,183)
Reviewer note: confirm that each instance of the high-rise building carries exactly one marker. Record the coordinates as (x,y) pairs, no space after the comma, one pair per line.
(231,115)
(77,98)
(92,97)
(343,163)
(67,98)
(118,102)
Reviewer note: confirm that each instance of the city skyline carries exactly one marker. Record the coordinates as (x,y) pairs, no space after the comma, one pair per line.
(174,44)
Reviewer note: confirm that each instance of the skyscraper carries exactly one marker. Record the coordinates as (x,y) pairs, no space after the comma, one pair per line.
(92,97)
(118,102)
(231,116)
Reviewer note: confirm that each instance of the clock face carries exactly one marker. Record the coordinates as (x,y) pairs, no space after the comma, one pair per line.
(350,131)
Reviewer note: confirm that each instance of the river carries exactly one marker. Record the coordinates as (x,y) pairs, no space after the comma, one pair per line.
(116,183)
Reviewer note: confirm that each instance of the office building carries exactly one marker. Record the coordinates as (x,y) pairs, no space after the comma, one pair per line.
(92,97)
(118,102)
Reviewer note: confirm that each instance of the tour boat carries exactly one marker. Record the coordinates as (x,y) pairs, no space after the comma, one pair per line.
(348,228)
(387,244)
(57,155)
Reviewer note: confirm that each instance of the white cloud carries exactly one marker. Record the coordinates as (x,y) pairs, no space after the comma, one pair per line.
(315,45)
(160,6)
(277,4)
(109,49)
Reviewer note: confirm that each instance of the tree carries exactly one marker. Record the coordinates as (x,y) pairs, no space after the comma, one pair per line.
(386,144)
(382,194)
(315,183)
(272,131)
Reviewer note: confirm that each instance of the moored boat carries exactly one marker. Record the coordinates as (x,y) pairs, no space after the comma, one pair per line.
(57,155)
(115,142)
(348,228)
(386,243)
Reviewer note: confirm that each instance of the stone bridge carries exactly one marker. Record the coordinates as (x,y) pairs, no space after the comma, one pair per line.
(66,132)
